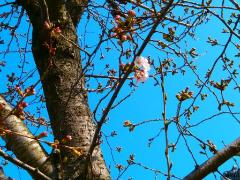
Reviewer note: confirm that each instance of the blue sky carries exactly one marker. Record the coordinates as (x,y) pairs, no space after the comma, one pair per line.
(146,103)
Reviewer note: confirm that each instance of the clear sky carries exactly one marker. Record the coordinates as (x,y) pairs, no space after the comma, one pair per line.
(145,102)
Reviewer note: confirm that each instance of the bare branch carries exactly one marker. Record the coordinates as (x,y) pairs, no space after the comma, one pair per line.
(235,4)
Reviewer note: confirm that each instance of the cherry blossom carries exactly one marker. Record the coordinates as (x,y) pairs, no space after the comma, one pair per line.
(141,74)
(142,62)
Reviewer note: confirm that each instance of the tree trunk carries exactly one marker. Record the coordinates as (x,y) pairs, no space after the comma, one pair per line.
(62,79)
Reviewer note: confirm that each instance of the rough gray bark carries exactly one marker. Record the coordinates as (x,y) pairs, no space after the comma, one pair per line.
(63,83)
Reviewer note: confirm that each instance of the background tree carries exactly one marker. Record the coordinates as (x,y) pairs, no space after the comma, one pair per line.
(111,50)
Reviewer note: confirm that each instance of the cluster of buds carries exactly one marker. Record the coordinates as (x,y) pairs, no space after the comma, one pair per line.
(19,91)
(170,35)
(141,75)
(19,110)
(41,135)
(222,85)
(53,32)
(67,138)
(131,159)
(55,145)
(2,132)
(129,124)
(119,167)
(184,94)
(124,28)
(28,92)
(125,67)
(42,121)
(76,150)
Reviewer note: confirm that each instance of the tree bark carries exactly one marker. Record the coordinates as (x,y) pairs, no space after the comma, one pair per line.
(63,82)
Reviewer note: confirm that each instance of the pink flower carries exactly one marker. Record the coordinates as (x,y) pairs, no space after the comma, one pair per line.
(146,66)
(141,75)
(142,62)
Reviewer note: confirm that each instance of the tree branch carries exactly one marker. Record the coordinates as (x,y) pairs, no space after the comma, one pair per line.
(163,13)
(213,163)
(235,4)
(25,147)
(23,165)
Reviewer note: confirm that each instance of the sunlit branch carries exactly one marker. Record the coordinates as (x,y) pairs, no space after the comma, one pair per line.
(26,149)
